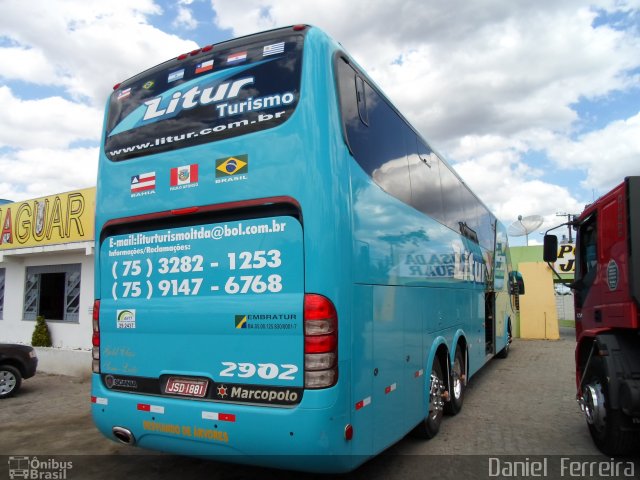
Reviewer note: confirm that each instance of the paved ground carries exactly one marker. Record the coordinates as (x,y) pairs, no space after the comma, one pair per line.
(523,406)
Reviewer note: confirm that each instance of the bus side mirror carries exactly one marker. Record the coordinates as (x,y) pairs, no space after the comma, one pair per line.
(516,283)
(550,249)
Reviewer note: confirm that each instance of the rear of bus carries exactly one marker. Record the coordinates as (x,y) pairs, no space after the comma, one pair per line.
(221,265)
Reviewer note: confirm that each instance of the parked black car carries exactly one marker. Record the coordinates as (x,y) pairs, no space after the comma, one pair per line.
(16,362)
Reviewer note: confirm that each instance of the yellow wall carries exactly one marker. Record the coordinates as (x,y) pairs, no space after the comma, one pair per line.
(538,314)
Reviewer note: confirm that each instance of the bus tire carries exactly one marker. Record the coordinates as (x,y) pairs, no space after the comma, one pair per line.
(458,380)
(609,428)
(429,427)
(504,353)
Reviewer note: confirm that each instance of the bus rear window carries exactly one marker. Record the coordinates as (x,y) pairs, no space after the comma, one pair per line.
(231,90)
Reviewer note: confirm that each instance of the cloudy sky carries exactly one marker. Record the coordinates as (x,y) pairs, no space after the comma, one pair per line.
(536,104)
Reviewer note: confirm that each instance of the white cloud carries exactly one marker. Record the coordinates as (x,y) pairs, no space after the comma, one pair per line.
(607,155)
(487,82)
(185,16)
(85,46)
(511,74)
(42,171)
(458,68)
(27,64)
(51,122)
(510,187)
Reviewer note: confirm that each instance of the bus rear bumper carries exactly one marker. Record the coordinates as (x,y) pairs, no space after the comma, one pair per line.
(291,438)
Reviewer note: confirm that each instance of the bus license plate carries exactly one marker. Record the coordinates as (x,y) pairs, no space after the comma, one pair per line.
(187,387)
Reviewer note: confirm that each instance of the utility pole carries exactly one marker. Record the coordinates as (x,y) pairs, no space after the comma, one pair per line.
(570,218)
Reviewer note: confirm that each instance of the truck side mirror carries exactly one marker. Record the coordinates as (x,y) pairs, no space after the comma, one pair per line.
(550,249)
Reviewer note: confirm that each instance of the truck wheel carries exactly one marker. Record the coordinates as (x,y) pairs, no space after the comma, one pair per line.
(10,380)
(605,424)
(430,426)
(457,385)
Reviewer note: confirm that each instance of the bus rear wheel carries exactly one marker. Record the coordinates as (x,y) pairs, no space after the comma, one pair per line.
(458,380)
(430,426)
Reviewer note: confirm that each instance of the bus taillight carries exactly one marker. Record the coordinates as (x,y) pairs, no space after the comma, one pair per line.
(95,339)
(320,342)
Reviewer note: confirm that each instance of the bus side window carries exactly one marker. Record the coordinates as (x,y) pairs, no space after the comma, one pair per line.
(375,134)
(362,100)
(452,199)
(487,230)
(424,167)
(471,220)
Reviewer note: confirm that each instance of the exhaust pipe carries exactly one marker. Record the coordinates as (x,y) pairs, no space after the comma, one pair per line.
(124,435)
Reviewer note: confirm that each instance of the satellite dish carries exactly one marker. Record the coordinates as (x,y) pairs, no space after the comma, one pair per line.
(525,225)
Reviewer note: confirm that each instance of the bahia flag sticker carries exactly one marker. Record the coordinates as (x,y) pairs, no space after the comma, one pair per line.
(124,93)
(204,66)
(274,49)
(184,175)
(237,57)
(143,182)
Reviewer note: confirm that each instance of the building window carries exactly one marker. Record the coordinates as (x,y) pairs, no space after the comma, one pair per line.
(52,291)
(2,272)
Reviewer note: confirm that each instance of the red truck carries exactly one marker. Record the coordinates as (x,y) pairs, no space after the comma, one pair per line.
(607,314)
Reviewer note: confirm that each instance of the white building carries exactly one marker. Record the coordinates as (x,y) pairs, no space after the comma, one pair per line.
(46,268)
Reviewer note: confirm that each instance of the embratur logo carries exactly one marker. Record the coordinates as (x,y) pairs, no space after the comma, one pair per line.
(241,321)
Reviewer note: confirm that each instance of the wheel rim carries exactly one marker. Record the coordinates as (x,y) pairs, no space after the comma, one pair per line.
(436,403)
(593,405)
(457,378)
(7,382)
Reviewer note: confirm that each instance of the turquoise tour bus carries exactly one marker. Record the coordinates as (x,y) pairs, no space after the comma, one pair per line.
(285,269)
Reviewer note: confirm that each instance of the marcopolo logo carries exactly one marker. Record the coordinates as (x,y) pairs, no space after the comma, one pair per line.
(126,318)
(259,394)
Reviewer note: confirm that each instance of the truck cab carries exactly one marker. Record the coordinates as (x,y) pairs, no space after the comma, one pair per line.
(607,315)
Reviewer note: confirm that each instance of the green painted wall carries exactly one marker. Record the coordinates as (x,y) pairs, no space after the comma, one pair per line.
(525,254)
